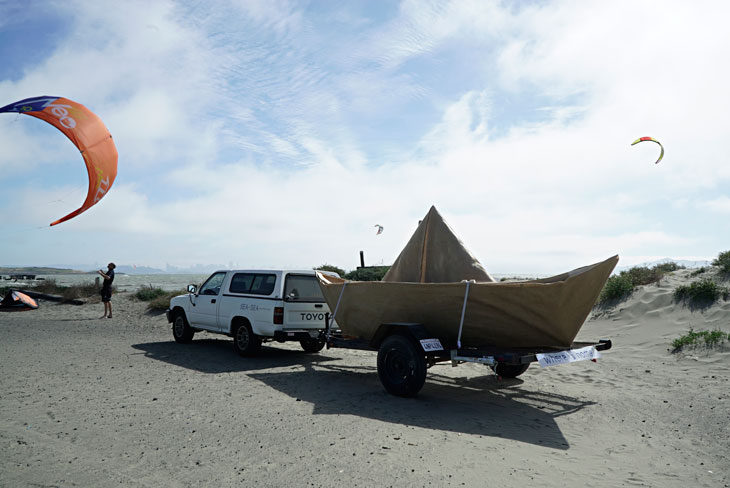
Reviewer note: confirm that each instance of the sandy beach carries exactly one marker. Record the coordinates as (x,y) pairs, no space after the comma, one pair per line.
(116,402)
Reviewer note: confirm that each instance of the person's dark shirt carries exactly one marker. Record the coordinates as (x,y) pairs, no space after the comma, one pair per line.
(108,282)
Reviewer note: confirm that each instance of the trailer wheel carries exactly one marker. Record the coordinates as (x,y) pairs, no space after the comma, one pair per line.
(312,345)
(510,370)
(181,330)
(245,342)
(401,366)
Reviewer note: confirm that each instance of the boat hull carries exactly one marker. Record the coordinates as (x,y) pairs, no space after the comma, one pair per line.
(539,313)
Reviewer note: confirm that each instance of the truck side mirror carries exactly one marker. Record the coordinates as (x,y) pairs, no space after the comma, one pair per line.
(192,288)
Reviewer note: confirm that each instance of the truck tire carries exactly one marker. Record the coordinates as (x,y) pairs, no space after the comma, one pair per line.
(401,366)
(245,342)
(181,330)
(312,345)
(510,370)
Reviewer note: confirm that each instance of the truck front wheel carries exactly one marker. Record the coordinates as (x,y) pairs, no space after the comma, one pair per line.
(181,330)
(245,342)
(401,366)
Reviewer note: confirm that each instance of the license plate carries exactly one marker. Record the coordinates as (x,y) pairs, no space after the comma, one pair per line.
(569,356)
(431,345)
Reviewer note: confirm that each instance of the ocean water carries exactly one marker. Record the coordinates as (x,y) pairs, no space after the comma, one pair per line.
(122,282)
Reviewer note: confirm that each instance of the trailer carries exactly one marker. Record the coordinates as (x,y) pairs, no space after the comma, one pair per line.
(407,350)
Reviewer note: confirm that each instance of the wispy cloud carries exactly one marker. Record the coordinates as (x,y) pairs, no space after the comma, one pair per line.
(273,133)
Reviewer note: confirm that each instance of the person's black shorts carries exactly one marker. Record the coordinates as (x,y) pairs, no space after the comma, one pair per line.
(106,295)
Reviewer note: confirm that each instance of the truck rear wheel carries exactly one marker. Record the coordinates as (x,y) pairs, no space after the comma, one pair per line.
(510,370)
(401,366)
(181,330)
(312,345)
(245,342)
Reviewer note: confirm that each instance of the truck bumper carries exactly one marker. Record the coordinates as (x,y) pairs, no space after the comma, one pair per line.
(168,315)
(296,335)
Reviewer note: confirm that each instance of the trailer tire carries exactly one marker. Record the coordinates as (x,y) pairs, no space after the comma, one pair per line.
(312,345)
(401,366)
(245,342)
(510,370)
(181,330)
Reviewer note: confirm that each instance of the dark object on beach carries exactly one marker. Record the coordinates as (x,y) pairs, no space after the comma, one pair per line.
(53,298)
(16,301)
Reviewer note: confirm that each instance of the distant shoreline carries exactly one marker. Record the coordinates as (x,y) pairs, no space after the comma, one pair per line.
(39,270)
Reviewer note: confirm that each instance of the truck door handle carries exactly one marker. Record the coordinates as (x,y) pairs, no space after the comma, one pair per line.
(317,305)
(212,300)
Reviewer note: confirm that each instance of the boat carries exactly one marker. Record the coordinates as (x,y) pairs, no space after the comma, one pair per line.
(438,283)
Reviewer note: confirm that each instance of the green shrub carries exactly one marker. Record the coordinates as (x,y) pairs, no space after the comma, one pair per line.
(82,290)
(706,338)
(162,302)
(622,285)
(698,272)
(147,293)
(723,261)
(703,291)
(665,268)
(331,267)
(617,287)
(369,273)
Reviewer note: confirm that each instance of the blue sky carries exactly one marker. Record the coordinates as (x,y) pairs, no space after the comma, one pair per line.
(275,133)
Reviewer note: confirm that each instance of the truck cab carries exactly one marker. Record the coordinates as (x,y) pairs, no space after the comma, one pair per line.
(253,306)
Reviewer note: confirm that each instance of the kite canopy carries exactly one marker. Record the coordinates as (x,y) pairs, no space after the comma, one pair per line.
(89,135)
(16,301)
(380,229)
(643,139)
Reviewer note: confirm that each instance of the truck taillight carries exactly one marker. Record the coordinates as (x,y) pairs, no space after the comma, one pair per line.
(278,315)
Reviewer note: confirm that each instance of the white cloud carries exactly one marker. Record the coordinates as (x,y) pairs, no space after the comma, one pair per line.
(240,132)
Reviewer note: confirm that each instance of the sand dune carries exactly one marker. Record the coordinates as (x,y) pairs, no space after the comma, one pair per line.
(96,402)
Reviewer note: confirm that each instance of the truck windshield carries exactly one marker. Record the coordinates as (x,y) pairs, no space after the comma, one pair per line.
(302,288)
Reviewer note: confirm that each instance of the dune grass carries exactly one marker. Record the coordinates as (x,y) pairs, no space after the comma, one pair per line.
(702,292)
(148,293)
(704,338)
(159,299)
(722,261)
(622,285)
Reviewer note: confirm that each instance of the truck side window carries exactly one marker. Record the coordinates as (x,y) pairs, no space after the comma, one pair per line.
(213,285)
(263,284)
(254,284)
(241,282)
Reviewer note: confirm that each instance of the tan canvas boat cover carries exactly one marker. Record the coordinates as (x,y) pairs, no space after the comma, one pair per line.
(435,255)
(425,286)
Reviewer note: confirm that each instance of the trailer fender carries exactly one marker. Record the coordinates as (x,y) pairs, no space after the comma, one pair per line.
(413,330)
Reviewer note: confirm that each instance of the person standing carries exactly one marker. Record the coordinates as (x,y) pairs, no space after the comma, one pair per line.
(106,289)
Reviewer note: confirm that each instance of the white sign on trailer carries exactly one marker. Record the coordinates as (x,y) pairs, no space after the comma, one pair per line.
(570,356)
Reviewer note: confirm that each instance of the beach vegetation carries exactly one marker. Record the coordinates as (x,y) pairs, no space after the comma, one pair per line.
(698,272)
(368,273)
(161,303)
(620,286)
(617,288)
(332,268)
(51,287)
(722,261)
(702,292)
(704,338)
(147,293)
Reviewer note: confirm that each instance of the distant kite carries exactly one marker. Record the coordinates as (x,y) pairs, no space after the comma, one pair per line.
(380,229)
(642,139)
(89,135)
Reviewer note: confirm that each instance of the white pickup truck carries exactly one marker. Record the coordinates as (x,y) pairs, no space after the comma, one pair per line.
(253,306)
